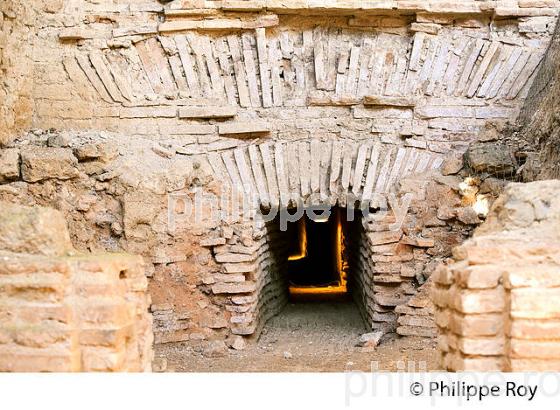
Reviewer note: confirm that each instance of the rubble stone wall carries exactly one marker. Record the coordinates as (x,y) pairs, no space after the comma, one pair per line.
(539,120)
(67,312)
(17,35)
(496,303)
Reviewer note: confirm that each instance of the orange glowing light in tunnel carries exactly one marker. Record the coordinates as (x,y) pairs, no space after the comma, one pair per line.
(302,237)
(341,287)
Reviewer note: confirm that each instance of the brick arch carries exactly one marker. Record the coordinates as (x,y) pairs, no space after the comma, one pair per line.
(274,173)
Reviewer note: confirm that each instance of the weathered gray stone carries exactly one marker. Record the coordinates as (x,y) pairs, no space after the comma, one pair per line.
(59,140)
(370,339)
(492,158)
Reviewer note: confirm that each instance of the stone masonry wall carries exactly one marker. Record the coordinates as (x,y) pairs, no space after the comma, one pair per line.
(497,302)
(213,276)
(17,34)
(66,312)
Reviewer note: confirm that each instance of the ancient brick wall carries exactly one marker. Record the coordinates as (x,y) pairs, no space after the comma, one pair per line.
(63,311)
(281,101)
(497,303)
(214,275)
(430,73)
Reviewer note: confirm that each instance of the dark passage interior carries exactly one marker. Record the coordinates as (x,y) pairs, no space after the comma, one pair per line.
(318,256)
(318,268)
(313,258)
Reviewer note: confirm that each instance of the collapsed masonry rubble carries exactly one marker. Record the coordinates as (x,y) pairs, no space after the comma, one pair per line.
(64,311)
(497,302)
(537,128)
(416,317)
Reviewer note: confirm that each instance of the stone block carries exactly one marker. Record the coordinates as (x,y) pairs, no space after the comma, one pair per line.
(493,158)
(535,349)
(387,101)
(476,325)
(535,303)
(490,346)
(240,267)
(534,365)
(33,230)
(442,318)
(382,238)
(324,99)
(208,112)
(544,329)
(429,28)
(249,127)
(479,364)
(39,164)
(22,359)
(234,258)
(480,277)
(543,275)
(103,152)
(479,301)
(233,288)
(417,331)
(9,165)
(417,321)
(427,112)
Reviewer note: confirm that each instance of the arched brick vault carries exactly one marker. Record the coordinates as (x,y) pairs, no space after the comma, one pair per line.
(288,66)
(253,282)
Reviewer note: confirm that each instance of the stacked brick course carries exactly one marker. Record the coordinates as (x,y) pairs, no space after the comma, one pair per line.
(496,304)
(68,313)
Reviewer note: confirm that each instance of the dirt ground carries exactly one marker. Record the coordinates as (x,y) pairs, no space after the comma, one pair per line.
(310,337)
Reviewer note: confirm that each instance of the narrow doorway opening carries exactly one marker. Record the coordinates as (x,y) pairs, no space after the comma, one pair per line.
(317,261)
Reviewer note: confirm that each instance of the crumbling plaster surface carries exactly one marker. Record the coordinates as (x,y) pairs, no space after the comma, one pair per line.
(17,35)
